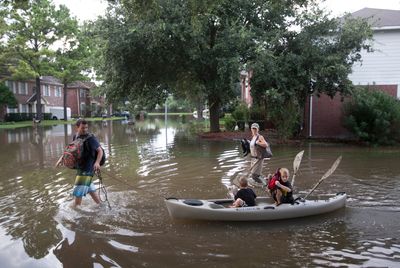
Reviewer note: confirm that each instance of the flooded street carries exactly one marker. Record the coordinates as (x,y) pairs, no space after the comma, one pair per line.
(150,161)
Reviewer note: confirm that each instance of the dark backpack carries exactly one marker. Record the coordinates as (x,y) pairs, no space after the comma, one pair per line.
(103,158)
(263,152)
(245,146)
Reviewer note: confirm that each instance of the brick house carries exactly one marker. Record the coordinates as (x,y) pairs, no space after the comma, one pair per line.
(245,88)
(81,101)
(25,93)
(379,70)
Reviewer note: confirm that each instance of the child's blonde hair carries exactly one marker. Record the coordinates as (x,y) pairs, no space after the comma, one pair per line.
(285,171)
(243,182)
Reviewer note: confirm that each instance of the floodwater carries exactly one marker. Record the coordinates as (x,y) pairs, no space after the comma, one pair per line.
(150,161)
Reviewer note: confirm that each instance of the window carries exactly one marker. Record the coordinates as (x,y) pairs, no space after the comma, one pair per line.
(46,90)
(12,110)
(57,92)
(22,88)
(82,93)
(11,86)
(23,108)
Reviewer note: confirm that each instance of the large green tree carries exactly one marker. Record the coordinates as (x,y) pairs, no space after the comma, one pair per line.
(322,51)
(32,30)
(199,47)
(72,58)
(156,47)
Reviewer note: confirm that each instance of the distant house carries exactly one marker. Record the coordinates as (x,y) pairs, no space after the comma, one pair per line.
(79,100)
(25,93)
(82,102)
(380,70)
(245,88)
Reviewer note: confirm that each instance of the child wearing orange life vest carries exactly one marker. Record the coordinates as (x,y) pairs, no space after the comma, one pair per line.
(280,187)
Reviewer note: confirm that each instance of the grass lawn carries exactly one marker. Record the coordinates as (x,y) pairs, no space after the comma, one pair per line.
(11,125)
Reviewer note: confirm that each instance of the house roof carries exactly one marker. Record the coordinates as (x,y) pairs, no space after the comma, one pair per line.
(82,84)
(50,80)
(33,98)
(380,18)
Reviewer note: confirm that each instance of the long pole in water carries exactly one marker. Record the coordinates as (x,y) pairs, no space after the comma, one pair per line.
(166,117)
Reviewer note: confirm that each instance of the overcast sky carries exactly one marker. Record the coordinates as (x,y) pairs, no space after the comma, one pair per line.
(84,9)
(90,9)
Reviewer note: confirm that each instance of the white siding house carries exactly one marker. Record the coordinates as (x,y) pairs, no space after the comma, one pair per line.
(382,66)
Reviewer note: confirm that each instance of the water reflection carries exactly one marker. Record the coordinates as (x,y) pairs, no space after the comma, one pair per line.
(152,160)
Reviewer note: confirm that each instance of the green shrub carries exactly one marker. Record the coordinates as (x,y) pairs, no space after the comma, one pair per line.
(17,117)
(241,112)
(229,123)
(256,113)
(284,113)
(373,117)
(196,127)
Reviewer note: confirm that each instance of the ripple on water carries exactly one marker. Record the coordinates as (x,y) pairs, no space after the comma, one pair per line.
(376,253)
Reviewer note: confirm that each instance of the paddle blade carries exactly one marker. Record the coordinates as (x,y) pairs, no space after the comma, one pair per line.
(326,175)
(332,169)
(297,161)
(296,165)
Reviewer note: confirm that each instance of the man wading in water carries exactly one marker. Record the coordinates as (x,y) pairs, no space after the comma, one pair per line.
(88,165)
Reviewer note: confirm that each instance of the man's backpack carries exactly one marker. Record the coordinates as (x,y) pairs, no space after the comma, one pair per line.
(103,158)
(75,152)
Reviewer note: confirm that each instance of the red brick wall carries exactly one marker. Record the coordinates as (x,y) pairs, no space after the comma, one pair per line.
(72,100)
(23,98)
(52,99)
(389,89)
(327,115)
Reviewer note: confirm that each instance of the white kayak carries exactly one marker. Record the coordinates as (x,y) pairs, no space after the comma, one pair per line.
(265,210)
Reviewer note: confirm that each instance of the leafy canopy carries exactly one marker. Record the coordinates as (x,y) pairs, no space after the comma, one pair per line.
(194,48)
(32,30)
(198,48)
(6,96)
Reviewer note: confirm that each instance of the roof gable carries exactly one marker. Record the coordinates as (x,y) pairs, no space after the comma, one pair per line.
(379,18)
(82,84)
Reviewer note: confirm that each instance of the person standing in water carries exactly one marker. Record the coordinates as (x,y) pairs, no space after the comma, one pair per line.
(256,158)
(92,155)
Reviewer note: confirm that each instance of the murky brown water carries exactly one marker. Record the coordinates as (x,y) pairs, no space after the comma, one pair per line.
(149,162)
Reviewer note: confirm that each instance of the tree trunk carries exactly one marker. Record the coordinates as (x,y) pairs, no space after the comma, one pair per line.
(214,114)
(65,102)
(38,99)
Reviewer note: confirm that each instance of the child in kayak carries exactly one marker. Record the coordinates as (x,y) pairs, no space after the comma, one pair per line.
(282,192)
(245,197)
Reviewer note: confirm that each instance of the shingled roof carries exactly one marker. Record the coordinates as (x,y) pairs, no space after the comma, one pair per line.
(50,80)
(82,84)
(380,18)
